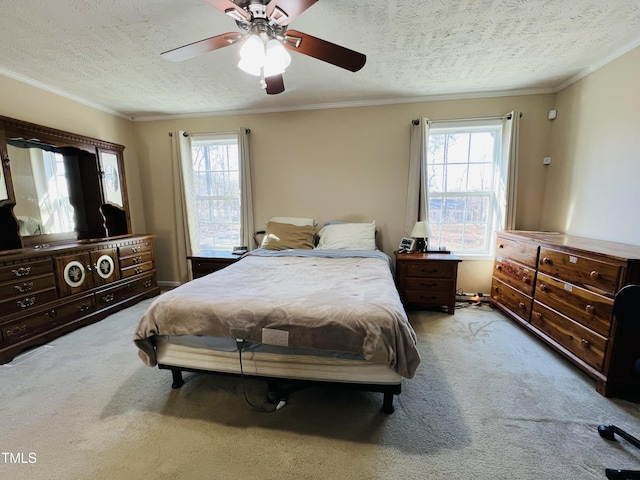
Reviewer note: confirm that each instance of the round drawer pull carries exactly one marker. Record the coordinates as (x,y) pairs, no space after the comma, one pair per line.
(525,279)
(522,306)
(542,287)
(585,343)
(594,275)
(590,309)
(546,261)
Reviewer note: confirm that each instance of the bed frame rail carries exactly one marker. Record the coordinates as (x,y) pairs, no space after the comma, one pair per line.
(273,394)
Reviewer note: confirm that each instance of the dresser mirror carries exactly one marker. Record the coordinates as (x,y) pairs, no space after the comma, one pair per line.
(58,186)
(41,188)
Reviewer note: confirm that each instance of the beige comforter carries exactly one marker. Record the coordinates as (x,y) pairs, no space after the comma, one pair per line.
(346,304)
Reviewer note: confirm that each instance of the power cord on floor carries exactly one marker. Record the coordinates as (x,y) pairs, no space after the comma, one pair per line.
(281,403)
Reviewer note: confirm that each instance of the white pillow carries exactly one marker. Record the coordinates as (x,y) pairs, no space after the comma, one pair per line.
(348,236)
(298,221)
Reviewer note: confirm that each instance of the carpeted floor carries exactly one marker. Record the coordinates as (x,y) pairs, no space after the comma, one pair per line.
(488,402)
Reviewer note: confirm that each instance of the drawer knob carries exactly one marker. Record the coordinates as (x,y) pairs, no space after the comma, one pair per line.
(53,313)
(525,279)
(590,309)
(546,261)
(594,275)
(542,287)
(522,306)
(585,343)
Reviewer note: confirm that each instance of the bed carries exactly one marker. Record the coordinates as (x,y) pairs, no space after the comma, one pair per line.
(318,314)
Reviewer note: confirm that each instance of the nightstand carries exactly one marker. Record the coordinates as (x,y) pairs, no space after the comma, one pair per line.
(210,261)
(427,280)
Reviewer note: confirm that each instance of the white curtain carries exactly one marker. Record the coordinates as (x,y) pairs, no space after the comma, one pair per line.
(184,199)
(509,168)
(246,196)
(417,205)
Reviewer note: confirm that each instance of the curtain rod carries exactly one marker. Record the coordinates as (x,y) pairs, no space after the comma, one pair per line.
(507,116)
(186,134)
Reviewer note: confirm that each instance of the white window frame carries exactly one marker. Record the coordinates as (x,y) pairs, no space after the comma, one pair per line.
(492,194)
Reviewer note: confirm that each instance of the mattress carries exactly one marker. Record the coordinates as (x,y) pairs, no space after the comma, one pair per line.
(219,354)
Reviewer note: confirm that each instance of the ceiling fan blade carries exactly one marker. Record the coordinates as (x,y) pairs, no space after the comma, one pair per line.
(203,46)
(231,9)
(282,12)
(326,51)
(275,84)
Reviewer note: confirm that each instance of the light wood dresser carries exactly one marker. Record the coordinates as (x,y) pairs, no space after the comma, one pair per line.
(562,288)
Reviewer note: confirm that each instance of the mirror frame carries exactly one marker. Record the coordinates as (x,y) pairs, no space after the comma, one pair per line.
(11,128)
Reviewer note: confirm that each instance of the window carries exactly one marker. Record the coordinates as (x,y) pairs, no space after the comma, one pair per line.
(463,177)
(216,185)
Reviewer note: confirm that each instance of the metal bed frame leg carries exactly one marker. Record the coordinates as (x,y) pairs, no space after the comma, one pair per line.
(178,381)
(387,404)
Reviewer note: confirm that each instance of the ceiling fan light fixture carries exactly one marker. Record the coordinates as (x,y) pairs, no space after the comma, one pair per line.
(277,59)
(252,55)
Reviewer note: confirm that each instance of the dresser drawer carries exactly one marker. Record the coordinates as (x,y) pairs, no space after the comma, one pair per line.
(44,320)
(517,302)
(137,259)
(434,269)
(27,285)
(518,276)
(136,269)
(524,253)
(580,270)
(27,301)
(25,270)
(579,340)
(135,248)
(590,309)
(114,295)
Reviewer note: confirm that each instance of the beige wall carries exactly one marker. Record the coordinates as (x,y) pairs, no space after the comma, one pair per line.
(593,180)
(340,164)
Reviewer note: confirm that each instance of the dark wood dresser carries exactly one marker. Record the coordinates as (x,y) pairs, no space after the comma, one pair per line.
(562,288)
(47,292)
(67,253)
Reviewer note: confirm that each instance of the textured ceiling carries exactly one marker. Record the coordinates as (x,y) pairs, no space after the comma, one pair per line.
(106,53)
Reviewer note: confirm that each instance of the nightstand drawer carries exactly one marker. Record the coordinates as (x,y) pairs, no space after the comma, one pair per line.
(430,269)
(428,292)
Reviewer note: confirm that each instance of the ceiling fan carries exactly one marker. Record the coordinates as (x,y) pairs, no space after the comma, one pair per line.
(265,39)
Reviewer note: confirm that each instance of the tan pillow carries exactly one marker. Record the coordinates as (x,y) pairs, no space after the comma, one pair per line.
(283,236)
